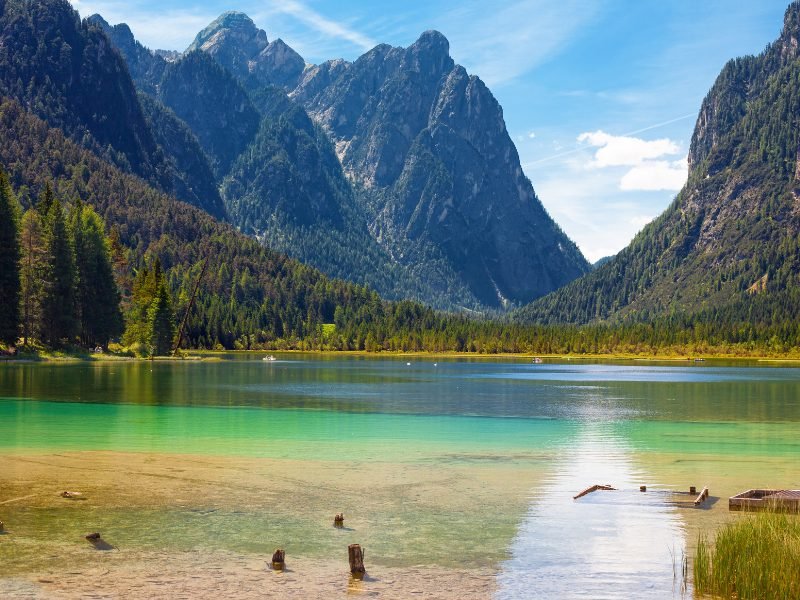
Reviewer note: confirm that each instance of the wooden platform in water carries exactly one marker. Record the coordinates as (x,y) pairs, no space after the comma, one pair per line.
(775,500)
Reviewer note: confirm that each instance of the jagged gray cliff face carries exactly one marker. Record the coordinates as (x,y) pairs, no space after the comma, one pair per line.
(438,206)
(234,41)
(439,174)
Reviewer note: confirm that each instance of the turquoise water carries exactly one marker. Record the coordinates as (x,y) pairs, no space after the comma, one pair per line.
(415,450)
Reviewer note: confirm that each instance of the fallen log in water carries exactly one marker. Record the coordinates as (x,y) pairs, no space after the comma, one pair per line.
(591,489)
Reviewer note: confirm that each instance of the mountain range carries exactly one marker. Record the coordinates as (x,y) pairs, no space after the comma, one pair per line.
(395,170)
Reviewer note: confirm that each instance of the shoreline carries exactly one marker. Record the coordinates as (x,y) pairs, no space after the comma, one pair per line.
(219,355)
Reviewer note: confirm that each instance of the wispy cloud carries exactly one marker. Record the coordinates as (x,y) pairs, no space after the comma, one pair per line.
(172,29)
(501,45)
(323,25)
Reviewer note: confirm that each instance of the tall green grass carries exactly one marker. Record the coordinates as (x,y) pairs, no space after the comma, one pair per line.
(754,558)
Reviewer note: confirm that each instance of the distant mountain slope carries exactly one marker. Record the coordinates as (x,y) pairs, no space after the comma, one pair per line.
(733,231)
(214,105)
(248,289)
(146,68)
(439,174)
(288,189)
(66,73)
(193,179)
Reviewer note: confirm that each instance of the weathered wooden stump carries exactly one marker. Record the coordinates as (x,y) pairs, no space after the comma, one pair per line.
(692,489)
(642,488)
(356,555)
(279,560)
(2,527)
(338,520)
(93,537)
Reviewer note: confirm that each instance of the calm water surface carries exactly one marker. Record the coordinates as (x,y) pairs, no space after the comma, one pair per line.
(563,425)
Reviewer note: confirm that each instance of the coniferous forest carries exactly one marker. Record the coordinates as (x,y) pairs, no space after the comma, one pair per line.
(95,247)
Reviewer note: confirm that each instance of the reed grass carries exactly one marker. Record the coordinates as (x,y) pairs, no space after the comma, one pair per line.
(756,557)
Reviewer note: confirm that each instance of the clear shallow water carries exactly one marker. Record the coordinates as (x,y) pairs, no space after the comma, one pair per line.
(465,463)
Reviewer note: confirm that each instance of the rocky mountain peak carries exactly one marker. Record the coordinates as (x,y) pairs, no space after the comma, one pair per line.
(230,26)
(430,54)
(232,39)
(238,45)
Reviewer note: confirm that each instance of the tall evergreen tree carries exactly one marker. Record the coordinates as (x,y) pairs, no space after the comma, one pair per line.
(46,200)
(145,289)
(162,323)
(9,263)
(33,270)
(98,298)
(59,322)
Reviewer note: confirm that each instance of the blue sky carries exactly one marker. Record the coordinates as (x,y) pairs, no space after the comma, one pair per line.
(600,96)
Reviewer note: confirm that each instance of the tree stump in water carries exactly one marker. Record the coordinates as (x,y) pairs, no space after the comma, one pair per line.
(278,560)
(356,555)
(338,520)
(2,527)
(692,489)
(642,488)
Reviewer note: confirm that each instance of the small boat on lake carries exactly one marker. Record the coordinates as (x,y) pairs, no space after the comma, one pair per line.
(269,358)
(537,361)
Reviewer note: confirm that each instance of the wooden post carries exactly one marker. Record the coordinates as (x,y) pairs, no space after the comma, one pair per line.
(93,537)
(338,520)
(692,489)
(279,560)
(642,488)
(2,527)
(702,497)
(356,556)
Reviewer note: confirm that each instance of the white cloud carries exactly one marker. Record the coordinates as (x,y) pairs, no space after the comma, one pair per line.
(649,169)
(623,151)
(656,175)
(531,135)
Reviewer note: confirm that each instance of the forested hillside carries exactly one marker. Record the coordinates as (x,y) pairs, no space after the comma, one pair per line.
(733,233)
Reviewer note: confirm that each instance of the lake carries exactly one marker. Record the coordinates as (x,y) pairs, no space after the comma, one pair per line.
(456,475)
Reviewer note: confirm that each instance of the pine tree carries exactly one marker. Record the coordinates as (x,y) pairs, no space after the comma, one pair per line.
(98,298)
(145,288)
(46,200)
(162,323)
(59,322)
(9,264)
(33,269)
